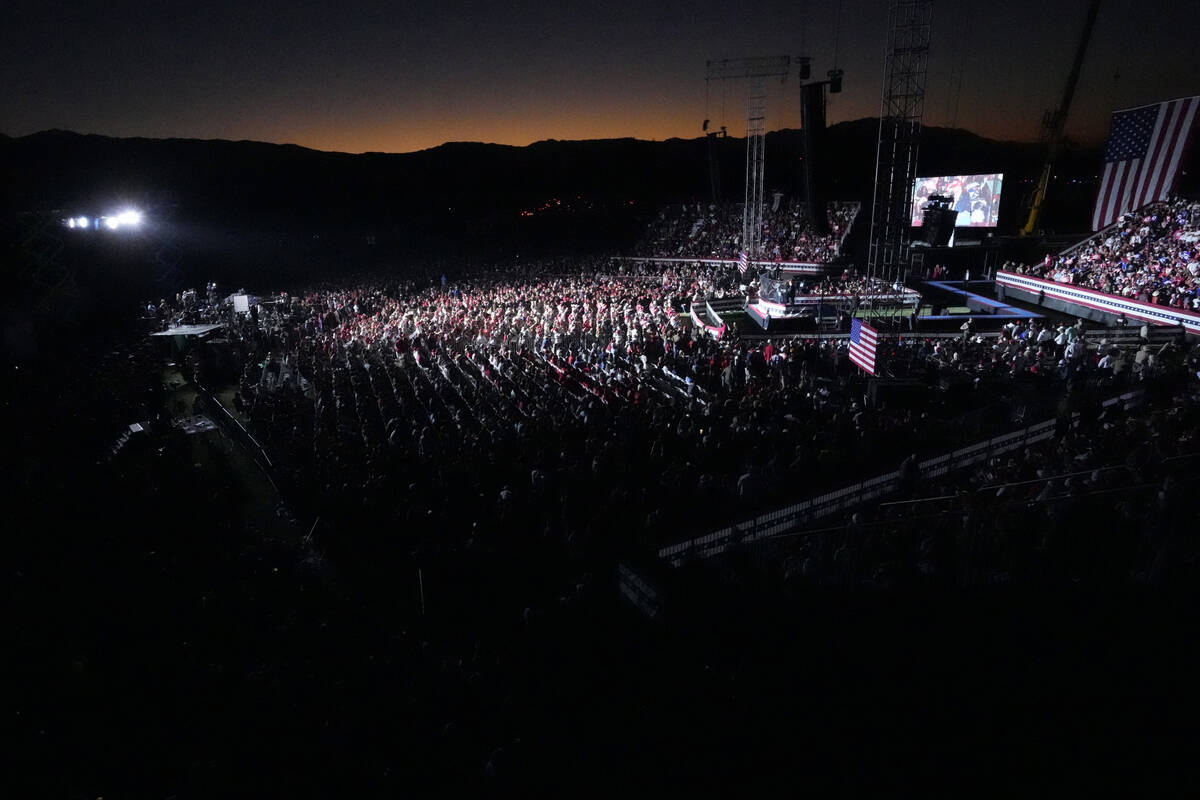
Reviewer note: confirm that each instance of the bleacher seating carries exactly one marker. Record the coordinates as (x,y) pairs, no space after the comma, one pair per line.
(699,230)
(1151,255)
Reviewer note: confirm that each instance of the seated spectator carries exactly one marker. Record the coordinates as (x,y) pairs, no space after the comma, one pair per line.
(1151,255)
(697,230)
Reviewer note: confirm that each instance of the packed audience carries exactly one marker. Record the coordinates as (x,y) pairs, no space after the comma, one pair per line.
(1104,501)
(541,393)
(523,398)
(438,389)
(1039,349)
(714,230)
(1152,255)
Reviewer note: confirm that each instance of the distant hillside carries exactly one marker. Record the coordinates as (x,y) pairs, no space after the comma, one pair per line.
(281,185)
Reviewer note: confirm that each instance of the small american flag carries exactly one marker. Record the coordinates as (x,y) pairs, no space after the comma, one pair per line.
(743,263)
(862,345)
(1141,159)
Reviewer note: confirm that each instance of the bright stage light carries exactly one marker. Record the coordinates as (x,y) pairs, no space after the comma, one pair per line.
(129,218)
(125,219)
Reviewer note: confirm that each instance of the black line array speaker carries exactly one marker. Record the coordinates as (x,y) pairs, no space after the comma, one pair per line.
(812,117)
(937,225)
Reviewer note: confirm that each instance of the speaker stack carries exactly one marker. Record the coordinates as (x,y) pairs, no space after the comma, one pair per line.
(937,223)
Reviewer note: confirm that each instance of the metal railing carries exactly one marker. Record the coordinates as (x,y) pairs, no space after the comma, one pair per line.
(787,519)
(226,420)
(887,334)
(1093,299)
(1100,234)
(719,304)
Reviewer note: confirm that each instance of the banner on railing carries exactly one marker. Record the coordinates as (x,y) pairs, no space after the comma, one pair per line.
(1110,303)
(715,331)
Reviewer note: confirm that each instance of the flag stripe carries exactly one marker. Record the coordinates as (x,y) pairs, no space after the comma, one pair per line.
(1098,214)
(1181,143)
(1145,147)
(1171,122)
(1176,143)
(863,339)
(1183,118)
(1116,204)
(1161,124)
(1129,199)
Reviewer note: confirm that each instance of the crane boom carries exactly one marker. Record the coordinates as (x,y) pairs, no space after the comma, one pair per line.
(1055,122)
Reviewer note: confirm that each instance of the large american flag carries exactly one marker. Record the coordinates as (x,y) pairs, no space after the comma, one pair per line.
(743,263)
(1141,160)
(863,339)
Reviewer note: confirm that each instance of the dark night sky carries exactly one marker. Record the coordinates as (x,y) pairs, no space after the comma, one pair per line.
(397,77)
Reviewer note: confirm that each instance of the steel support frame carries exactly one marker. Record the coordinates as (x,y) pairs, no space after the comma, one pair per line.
(906,66)
(756,162)
(755,71)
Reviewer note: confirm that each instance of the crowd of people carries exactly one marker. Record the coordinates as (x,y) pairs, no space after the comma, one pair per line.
(539,398)
(536,399)
(1040,349)
(1104,501)
(1151,255)
(714,230)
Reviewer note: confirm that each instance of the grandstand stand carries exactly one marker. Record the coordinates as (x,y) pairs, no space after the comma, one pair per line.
(1151,255)
(697,230)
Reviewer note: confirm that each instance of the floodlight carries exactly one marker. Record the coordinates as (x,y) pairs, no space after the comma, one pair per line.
(71,222)
(129,217)
(111,222)
(82,222)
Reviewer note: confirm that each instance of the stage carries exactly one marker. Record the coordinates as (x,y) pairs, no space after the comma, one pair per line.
(181,339)
(824,310)
(189,330)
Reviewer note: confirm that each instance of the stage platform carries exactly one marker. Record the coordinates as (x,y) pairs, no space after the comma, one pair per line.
(980,306)
(813,310)
(189,330)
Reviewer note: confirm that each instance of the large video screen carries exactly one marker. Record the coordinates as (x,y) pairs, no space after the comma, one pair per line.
(976,198)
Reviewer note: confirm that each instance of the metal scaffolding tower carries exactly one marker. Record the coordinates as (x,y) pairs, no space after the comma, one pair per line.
(756,163)
(905,66)
(755,71)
